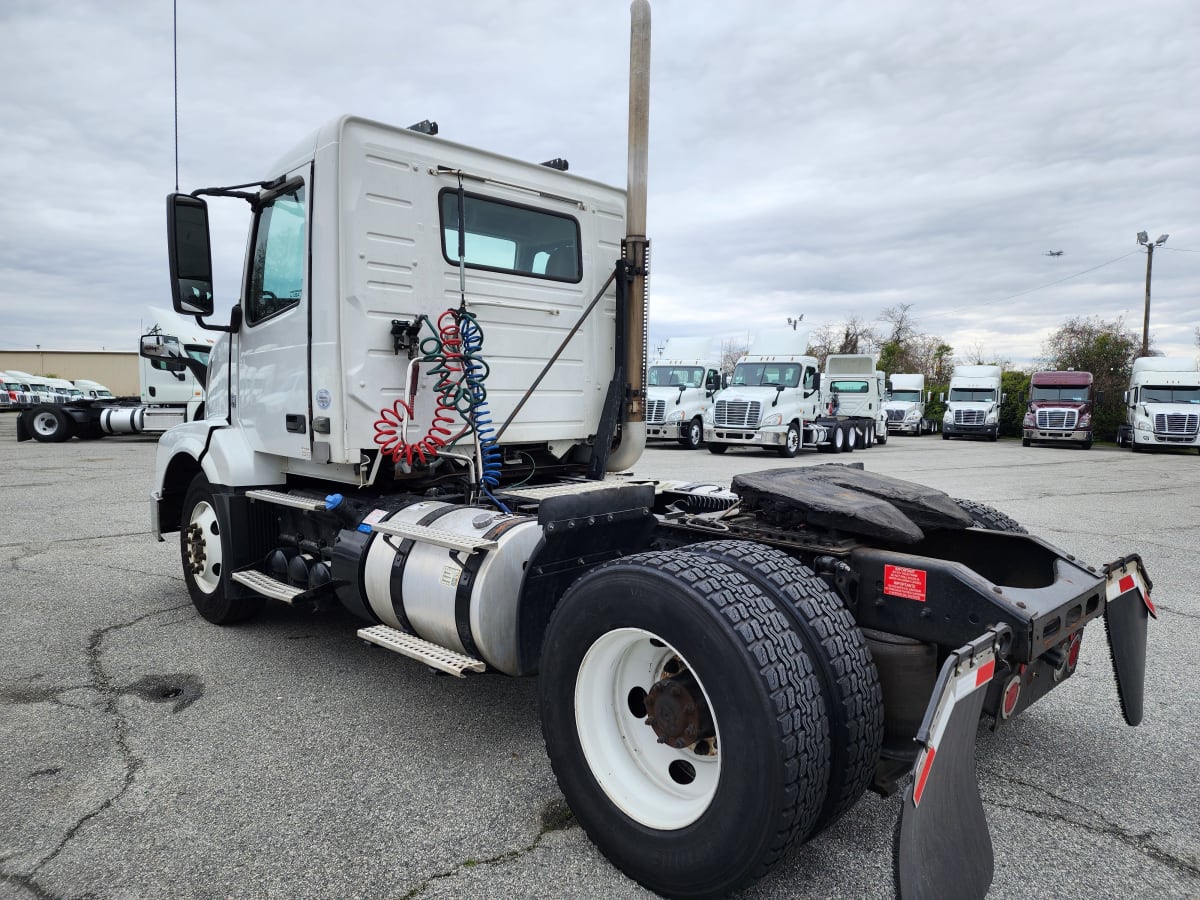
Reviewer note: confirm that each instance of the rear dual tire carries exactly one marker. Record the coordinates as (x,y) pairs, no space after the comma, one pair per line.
(696,820)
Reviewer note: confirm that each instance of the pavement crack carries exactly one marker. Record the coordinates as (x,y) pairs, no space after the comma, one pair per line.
(1095,823)
(110,695)
(27,882)
(555,816)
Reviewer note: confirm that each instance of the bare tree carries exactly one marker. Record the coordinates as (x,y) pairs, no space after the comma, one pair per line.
(731,351)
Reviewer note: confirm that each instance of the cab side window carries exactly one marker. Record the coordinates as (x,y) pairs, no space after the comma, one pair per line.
(280,254)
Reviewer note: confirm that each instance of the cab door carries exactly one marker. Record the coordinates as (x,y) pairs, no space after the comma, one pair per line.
(271,396)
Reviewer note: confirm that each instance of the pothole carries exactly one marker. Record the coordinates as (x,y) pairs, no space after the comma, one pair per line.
(178,689)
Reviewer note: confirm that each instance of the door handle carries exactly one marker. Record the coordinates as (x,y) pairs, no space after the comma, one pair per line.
(295,424)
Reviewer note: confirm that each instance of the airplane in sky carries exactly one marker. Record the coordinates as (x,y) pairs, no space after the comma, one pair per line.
(1053,253)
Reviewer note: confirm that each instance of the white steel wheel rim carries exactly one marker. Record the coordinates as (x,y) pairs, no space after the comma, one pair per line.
(793,439)
(622,751)
(204,517)
(694,432)
(45,424)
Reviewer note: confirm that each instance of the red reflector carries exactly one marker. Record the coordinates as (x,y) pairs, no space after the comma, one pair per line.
(1150,606)
(1073,651)
(1126,584)
(985,673)
(1011,694)
(919,787)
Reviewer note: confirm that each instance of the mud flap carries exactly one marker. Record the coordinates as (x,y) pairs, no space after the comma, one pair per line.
(1125,619)
(943,848)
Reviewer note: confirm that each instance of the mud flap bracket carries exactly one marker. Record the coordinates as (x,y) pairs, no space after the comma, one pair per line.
(943,848)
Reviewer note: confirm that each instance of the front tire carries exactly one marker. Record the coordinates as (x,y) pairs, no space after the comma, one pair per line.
(657,643)
(792,445)
(694,437)
(202,550)
(717,449)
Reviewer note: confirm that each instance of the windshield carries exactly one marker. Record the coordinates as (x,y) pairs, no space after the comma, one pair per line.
(766,374)
(1078,393)
(972,395)
(676,376)
(1154,393)
(907,396)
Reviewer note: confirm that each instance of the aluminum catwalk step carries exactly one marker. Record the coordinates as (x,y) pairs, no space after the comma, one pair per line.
(426,535)
(414,647)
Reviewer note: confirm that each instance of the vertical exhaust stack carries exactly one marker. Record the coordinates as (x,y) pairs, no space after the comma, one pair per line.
(633,417)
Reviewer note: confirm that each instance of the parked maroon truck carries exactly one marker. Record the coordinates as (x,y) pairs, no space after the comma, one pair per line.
(1060,409)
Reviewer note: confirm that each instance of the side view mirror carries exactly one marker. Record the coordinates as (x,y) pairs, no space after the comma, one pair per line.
(941,396)
(189,253)
(1021,397)
(165,348)
(1099,397)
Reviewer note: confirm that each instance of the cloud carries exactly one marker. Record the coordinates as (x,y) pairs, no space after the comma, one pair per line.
(831,160)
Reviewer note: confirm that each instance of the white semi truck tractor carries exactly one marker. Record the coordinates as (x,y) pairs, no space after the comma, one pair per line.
(1162,405)
(905,406)
(973,405)
(421,410)
(852,391)
(680,386)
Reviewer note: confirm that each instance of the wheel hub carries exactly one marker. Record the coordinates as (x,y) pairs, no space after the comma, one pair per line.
(196,554)
(676,710)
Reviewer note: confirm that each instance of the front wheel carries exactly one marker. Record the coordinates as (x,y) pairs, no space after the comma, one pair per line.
(945,437)
(683,721)
(792,444)
(717,449)
(693,436)
(202,549)
(881,437)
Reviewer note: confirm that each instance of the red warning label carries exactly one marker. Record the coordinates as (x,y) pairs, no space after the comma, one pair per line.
(900,581)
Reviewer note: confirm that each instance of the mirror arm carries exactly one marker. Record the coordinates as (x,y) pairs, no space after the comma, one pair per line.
(235,321)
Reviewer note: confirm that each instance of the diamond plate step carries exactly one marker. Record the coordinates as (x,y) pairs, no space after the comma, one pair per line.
(282,499)
(425,535)
(267,586)
(410,645)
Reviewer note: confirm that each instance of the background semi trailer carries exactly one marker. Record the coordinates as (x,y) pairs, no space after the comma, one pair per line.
(905,406)
(1162,405)
(973,404)
(434,447)
(1060,409)
(172,391)
(680,386)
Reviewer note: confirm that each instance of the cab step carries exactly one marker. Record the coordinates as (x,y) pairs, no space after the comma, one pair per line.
(283,499)
(267,586)
(423,534)
(441,658)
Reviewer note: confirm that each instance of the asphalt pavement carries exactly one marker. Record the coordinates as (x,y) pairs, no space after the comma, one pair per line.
(147,753)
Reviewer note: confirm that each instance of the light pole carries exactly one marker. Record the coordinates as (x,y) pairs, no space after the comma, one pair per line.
(1144,240)
(796,321)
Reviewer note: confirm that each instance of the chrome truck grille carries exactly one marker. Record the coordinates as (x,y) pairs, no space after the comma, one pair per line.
(968,417)
(895,415)
(1180,424)
(737,414)
(656,412)
(1057,419)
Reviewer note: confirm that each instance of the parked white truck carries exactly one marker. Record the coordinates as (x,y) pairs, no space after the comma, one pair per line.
(973,406)
(680,386)
(438,356)
(1162,404)
(774,402)
(172,391)
(852,390)
(905,406)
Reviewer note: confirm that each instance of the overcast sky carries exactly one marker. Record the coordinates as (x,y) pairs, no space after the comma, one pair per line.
(830,159)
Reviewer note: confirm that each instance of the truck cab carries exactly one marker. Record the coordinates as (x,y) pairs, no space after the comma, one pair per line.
(1162,404)
(973,405)
(1060,409)
(852,389)
(905,405)
(680,386)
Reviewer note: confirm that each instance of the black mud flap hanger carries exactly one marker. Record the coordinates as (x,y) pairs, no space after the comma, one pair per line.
(943,848)
(1126,615)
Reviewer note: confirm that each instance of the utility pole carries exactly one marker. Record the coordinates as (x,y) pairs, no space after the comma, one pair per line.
(1144,240)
